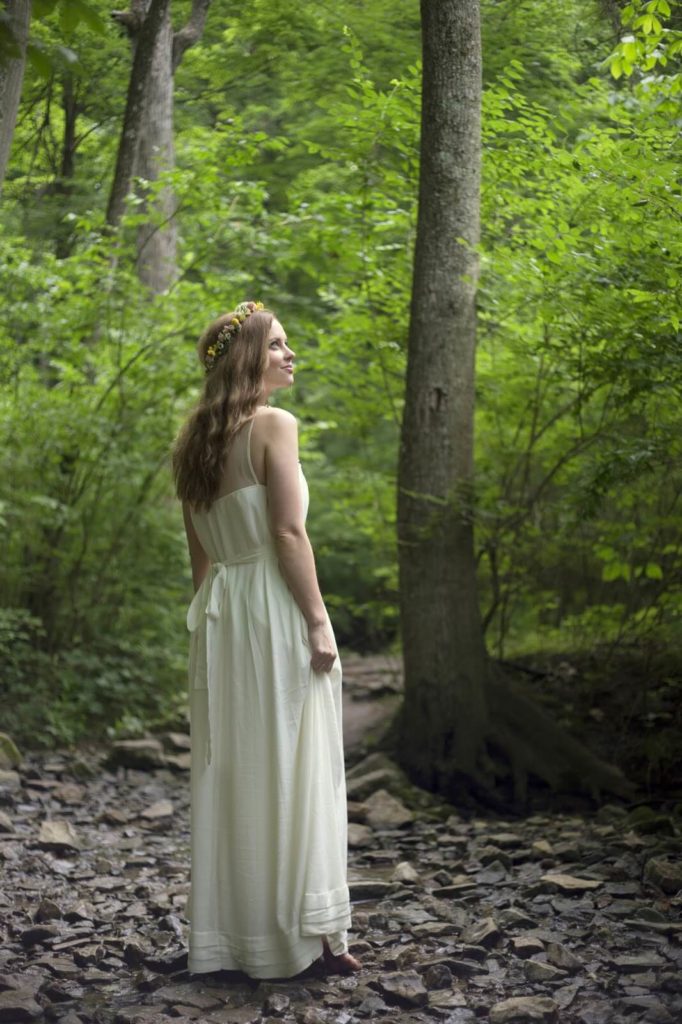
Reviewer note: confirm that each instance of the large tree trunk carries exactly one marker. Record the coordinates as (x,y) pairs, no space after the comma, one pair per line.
(442,634)
(457,711)
(12,77)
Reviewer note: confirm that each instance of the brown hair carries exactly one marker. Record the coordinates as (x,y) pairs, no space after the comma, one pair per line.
(230,397)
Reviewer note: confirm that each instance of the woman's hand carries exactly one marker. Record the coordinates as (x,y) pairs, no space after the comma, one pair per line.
(322,647)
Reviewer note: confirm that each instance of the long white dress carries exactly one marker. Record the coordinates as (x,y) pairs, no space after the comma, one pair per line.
(268,789)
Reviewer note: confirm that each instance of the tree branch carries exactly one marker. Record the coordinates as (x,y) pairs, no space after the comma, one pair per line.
(191,32)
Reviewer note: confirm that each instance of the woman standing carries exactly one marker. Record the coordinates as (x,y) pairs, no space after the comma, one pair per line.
(269,890)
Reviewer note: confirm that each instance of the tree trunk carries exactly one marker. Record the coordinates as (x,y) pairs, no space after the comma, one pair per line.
(12,77)
(146,29)
(157,237)
(153,151)
(457,710)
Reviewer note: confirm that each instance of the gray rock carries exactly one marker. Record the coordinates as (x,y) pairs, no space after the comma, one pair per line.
(10,781)
(359,836)
(276,1005)
(386,811)
(524,1008)
(369,888)
(159,809)
(567,883)
(47,910)
(526,947)
(438,976)
(403,988)
(665,874)
(515,917)
(360,786)
(560,956)
(483,933)
(539,970)
(56,834)
(144,754)
(18,1004)
(39,933)
(638,962)
(405,873)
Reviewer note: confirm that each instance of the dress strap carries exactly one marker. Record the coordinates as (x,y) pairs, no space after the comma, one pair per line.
(249,431)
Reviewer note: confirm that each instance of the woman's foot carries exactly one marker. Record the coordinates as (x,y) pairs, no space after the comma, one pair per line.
(341,963)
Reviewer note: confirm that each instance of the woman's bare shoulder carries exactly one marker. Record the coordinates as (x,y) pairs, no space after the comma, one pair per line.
(274,418)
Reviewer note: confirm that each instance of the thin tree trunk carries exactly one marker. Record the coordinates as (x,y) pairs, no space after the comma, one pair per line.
(149,27)
(12,77)
(153,152)
(157,237)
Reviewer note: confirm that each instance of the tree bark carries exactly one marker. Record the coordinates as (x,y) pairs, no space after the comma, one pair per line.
(157,237)
(153,147)
(458,714)
(442,634)
(12,77)
(133,118)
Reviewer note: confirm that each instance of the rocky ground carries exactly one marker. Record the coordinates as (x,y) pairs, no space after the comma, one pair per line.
(560,917)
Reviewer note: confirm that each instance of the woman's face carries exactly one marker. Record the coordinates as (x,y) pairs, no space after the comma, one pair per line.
(279,372)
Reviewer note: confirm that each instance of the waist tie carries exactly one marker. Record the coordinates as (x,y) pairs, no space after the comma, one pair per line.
(208,602)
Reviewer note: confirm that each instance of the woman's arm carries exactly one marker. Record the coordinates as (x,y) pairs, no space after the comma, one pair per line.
(199,558)
(285,511)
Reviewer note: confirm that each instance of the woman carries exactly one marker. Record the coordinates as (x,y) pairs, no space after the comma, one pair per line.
(268,796)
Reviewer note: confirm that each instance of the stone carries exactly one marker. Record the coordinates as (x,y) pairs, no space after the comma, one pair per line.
(524,1008)
(275,1005)
(665,874)
(19,1004)
(369,888)
(160,809)
(39,933)
(484,933)
(69,793)
(386,811)
(405,873)
(505,840)
(568,883)
(10,781)
(360,787)
(560,956)
(403,988)
(145,754)
(9,752)
(638,962)
(526,947)
(58,834)
(359,836)
(539,970)
(438,976)
(47,910)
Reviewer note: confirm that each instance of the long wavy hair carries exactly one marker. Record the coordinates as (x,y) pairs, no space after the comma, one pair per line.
(230,397)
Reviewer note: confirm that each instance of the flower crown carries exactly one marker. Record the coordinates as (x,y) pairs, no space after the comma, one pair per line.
(232,327)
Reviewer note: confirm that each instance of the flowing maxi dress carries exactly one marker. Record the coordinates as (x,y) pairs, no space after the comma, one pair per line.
(268,790)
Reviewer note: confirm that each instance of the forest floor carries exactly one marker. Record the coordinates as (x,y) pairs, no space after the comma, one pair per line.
(568,914)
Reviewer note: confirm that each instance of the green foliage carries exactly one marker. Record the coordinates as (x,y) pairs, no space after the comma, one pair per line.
(297,144)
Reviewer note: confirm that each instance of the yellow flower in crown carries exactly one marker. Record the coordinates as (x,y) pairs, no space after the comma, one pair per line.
(228,331)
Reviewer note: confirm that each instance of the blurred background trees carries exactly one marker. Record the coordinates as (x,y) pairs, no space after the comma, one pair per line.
(294,180)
